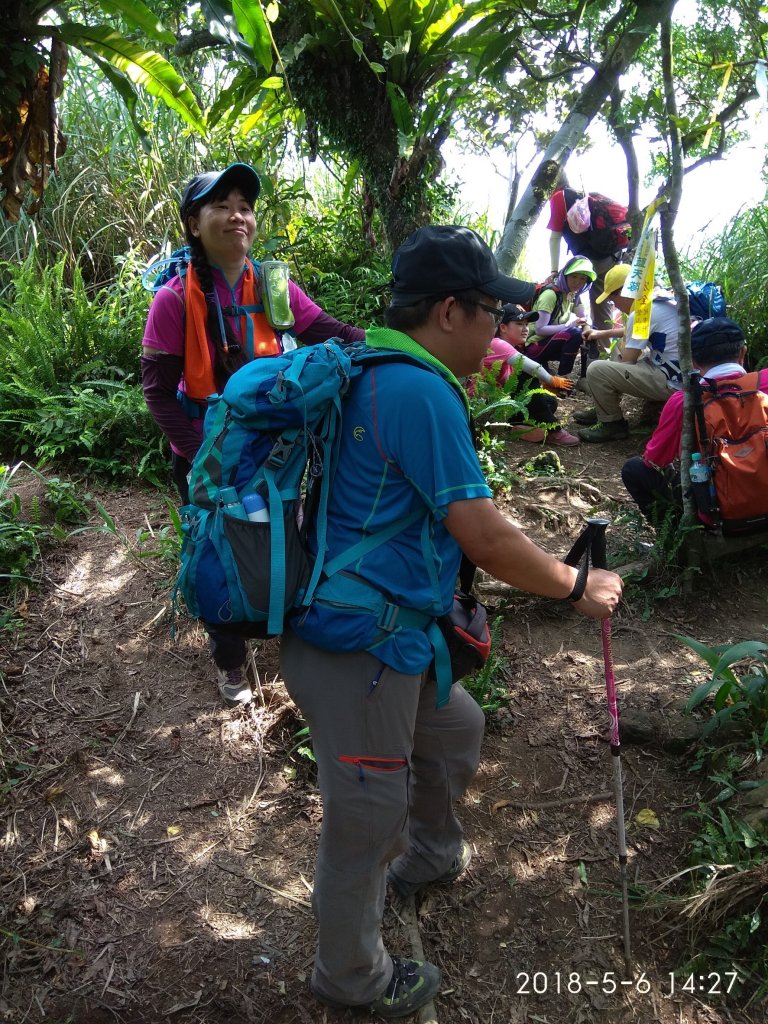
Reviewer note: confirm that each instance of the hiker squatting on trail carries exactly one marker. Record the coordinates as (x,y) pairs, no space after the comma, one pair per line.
(205,322)
(390,763)
(557,331)
(505,353)
(651,374)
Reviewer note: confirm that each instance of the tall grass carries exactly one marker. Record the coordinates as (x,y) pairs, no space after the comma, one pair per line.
(57,333)
(69,373)
(738,260)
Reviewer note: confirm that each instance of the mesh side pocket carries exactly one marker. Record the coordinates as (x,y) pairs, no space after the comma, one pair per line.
(251,548)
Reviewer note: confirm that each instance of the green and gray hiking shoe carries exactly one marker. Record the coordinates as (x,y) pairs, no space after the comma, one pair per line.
(413,983)
(613,431)
(587,417)
(460,864)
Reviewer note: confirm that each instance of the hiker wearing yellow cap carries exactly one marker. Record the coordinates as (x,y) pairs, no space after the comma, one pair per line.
(614,282)
(645,369)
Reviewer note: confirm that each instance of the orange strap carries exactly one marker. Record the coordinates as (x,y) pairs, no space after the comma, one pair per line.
(198,367)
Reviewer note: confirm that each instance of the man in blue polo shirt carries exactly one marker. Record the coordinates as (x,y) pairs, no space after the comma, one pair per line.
(391,763)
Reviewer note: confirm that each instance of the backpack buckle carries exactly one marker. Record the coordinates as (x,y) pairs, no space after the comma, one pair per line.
(388,618)
(281,449)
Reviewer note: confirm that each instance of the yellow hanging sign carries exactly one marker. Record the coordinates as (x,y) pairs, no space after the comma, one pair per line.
(640,280)
(718,102)
(641,326)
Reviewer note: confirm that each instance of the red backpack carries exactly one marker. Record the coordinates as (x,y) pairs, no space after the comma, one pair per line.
(610,231)
(733,417)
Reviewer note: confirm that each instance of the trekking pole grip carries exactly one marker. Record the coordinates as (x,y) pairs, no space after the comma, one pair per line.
(599,555)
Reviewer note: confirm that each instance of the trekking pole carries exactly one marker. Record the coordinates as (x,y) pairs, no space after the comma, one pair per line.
(592,541)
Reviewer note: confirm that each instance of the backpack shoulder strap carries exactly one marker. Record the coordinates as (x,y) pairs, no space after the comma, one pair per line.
(558,307)
(161,271)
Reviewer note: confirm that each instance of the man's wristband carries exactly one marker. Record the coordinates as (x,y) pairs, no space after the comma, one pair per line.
(581,582)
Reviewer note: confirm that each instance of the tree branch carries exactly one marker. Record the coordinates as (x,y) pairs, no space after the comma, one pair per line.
(647,15)
(722,117)
(625,138)
(201,39)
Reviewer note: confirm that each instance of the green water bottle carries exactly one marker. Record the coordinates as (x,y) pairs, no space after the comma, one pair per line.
(275,276)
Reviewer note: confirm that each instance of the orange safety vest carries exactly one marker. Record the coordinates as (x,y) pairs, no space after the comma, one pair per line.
(260,338)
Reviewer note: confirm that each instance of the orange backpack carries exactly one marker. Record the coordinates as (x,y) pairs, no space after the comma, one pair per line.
(735,444)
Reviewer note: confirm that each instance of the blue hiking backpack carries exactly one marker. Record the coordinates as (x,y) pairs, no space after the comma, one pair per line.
(273,431)
(705,299)
(163,270)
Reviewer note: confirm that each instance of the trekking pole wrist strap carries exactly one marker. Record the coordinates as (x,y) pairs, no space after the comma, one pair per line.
(581,582)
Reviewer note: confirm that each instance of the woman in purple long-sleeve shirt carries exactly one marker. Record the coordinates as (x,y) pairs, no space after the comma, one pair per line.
(180,368)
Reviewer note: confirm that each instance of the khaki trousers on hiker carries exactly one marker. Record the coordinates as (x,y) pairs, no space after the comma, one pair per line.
(390,767)
(609,380)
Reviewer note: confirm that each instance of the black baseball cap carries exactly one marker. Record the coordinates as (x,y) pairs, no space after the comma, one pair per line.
(240,176)
(718,332)
(440,260)
(515,314)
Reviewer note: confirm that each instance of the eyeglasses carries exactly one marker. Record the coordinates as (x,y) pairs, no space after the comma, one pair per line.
(496,313)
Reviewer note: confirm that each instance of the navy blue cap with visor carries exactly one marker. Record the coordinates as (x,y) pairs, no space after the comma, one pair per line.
(715,332)
(514,314)
(241,176)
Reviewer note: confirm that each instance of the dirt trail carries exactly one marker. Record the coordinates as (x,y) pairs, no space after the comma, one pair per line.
(157,855)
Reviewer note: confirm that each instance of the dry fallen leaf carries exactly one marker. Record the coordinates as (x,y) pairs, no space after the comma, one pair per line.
(647,818)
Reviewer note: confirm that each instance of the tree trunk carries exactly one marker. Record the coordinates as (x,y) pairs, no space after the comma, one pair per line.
(668,214)
(648,14)
(626,139)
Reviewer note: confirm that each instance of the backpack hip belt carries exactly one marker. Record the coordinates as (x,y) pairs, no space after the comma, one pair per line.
(347,592)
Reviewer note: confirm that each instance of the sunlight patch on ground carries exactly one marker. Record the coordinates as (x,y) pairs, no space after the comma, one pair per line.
(602,815)
(91,577)
(229,926)
(108,775)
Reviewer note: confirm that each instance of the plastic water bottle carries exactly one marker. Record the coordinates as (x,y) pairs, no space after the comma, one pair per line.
(701,484)
(231,503)
(255,508)
(699,472)
(275,275)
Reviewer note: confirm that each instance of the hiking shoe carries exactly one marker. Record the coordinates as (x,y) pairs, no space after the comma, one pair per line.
(413,983)
(458,867)
(587,417)
(562,436)
(525,432)
(233,686)
(581,385)
(613,431)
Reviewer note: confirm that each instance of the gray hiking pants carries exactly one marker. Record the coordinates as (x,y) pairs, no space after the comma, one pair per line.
(390,768)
